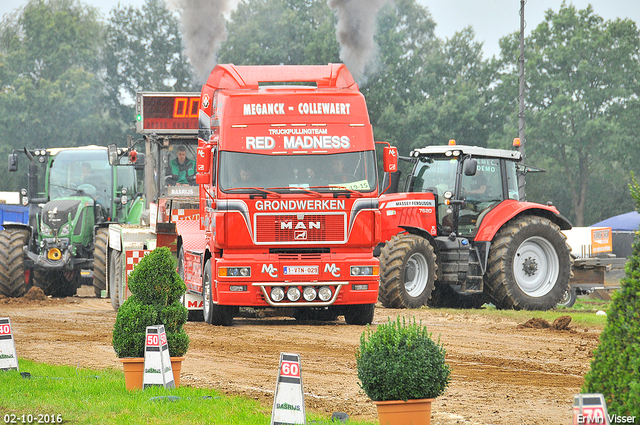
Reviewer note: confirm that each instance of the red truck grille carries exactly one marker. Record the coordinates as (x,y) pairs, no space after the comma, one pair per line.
(303,228)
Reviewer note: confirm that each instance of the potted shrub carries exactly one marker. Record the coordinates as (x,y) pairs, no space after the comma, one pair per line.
(156,289)
(402,370)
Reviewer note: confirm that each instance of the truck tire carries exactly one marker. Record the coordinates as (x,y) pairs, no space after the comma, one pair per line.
(361,314)
(12,278)
(443,296)
(57,283)
(529,265)
(115,278)
(100,248)
(568,298)
(214,314)
(193,315)
(407,271)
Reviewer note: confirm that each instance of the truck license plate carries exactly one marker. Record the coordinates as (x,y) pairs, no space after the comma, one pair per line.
(300,270)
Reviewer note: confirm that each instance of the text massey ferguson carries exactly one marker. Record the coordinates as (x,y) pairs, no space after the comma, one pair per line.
(288,196)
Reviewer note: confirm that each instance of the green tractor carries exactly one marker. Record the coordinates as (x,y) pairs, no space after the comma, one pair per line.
(68,222)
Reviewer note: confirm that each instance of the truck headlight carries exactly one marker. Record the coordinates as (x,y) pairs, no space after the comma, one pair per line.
(234,271)
(365,270)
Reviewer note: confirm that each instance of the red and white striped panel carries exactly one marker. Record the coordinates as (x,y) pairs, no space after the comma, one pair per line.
(132,258)
(185,214)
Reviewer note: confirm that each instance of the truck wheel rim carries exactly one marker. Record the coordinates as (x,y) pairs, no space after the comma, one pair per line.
(536,266)
(416,273)
(207,295)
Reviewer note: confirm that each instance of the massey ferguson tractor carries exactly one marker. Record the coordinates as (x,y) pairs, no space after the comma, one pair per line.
(67,221)
(458,235)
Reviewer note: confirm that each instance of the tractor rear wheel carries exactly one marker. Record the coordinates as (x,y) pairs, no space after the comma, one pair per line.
(100,248)
(57,283)
(12,276)
(529,265)
(407,271)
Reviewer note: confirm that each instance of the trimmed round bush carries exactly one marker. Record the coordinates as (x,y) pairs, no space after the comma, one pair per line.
(400,361)
(155,279)
(615,368)
(156,289)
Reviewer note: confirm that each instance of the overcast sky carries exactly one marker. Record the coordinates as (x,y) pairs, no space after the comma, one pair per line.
(491,19)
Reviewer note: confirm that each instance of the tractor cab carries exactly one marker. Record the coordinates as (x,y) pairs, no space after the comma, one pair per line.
(467,182)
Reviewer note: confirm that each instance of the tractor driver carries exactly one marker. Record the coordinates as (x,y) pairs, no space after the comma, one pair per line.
(182,170)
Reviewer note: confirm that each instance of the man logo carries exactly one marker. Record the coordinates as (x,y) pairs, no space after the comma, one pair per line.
(270,270)
(331,268)
(284,225)
(300,235)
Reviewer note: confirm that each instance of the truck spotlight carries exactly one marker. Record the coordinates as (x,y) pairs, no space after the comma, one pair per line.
(309,293)
(324,293)
(293,293)
(363,287)
(277,294)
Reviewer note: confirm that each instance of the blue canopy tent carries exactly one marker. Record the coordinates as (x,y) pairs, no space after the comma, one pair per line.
(623,222)
(623,229)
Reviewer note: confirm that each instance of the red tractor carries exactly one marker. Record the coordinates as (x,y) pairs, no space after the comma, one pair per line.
(459,235)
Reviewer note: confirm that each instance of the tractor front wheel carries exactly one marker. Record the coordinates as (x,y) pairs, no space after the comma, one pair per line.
(407,271)
(100,248)
(57,283)
(115,279)
(529,265)
(12,276)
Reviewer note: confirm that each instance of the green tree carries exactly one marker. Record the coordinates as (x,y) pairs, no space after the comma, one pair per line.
(445,97)
(50,91)
(273,32)
(143,52)
(615,368)
(582,75)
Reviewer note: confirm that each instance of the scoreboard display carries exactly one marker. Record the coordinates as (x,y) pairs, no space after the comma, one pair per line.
(167,113)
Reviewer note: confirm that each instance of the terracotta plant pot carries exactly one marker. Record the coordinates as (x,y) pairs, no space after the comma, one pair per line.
(134,371)
(400,412)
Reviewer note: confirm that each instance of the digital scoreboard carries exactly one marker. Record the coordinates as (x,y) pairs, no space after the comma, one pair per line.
(167,113)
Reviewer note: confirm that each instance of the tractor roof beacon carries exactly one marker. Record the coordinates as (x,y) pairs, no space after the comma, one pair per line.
(457,235)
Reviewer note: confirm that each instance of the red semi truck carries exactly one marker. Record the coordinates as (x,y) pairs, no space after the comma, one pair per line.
(287,177)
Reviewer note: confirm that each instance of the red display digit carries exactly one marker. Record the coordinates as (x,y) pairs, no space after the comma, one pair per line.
(5,329)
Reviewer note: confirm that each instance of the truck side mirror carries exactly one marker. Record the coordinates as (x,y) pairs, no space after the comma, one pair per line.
(203,164)
(112,150)
(390,159)
(13,162)
(470,167)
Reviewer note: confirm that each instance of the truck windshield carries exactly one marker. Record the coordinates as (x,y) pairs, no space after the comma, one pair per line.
(84,170)
(351,170)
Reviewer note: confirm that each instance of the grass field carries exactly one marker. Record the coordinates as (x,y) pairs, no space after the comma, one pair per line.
(63,394)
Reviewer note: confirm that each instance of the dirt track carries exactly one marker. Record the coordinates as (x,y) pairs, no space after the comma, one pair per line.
(502,373)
